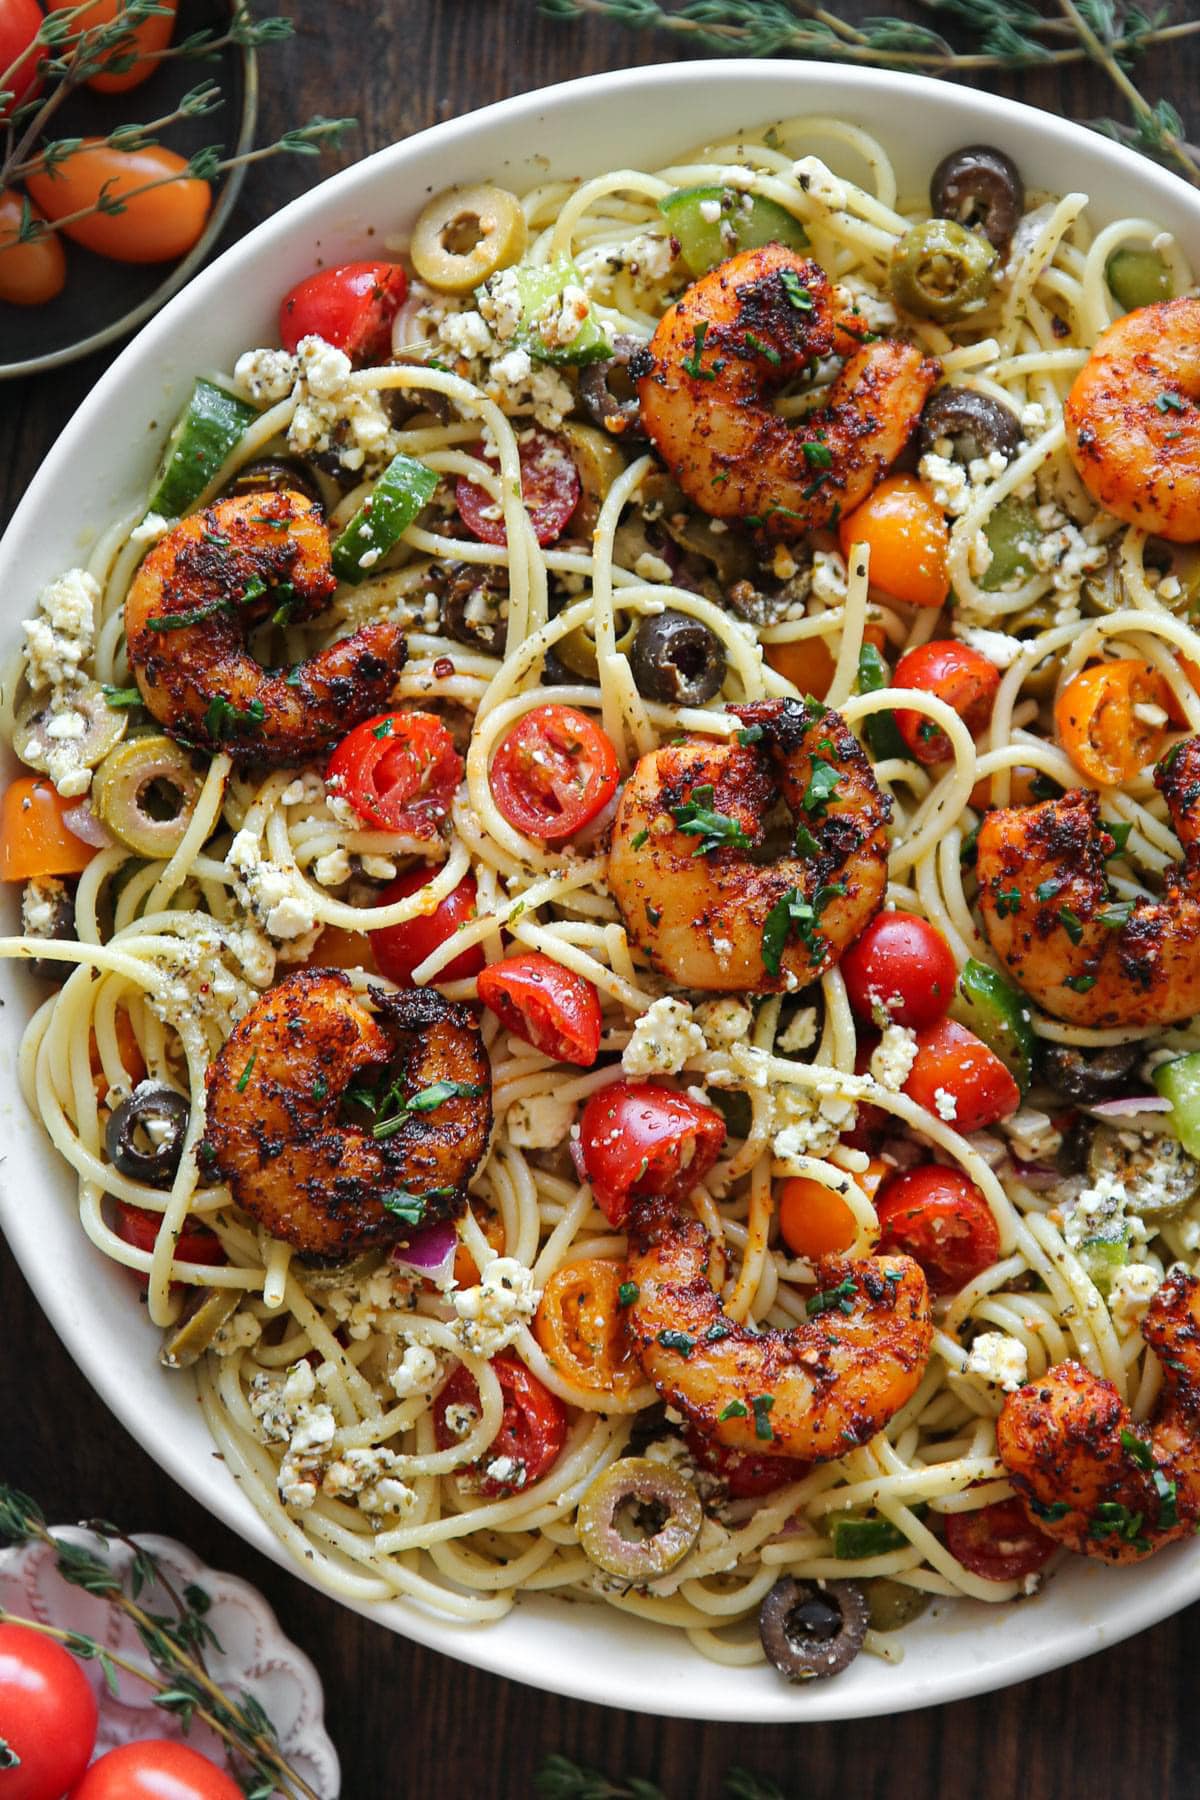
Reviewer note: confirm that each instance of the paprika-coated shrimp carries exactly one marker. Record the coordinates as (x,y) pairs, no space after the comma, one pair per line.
(273,1127)
(718,355)
(194,600)
(813,1392)
(1088,1475)
(1133,419)
(1048,912)
(700,913)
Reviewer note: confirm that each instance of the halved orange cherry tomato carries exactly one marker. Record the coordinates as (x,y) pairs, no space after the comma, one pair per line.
(156,226)
(1192,671)
(637,1140)
(33,272)
(808,662)
(941,1219)
(466,1270)
(1099,722)
(580,1324)
(351,306)
(814,1221)
(34,839)
(999,1542)
(951,1061)
(1021,789)
(150,35)
(553,772)
(399,771)
(337,948)
(399,949)
(132,1060)
(552,1008)
(532,1431)
(954,673)
(908,538)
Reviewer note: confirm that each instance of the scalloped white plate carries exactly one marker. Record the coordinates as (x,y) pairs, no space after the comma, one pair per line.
(102,463)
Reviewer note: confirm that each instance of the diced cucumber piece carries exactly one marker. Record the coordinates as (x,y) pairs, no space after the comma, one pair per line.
(1179,1082)
(394,502)
(1011,533)
(1103,1255)
(880,729)
(202,437)
(995,1011)
(856,1538)
(541,291)
(738,221)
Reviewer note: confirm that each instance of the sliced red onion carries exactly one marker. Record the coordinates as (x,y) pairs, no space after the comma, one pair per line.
(1037,1175)
(429,1252)
(1130,1111)
(82,823)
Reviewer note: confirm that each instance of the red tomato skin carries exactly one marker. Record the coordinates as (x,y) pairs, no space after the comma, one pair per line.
(20,22)
(550,488)
(746,1476)
(952,1058)
(903,964)
(139,1227)
(47,1715)
(956,674)
(941,1219)
(550,1007)
(398,771)
(870,1122)
(632,1136)
(553,799)
(351,307)
(998,1542)
(398,949)
(533,1428)
(155,1769)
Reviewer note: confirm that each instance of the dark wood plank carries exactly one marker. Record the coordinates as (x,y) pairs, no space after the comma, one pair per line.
(1120,1726)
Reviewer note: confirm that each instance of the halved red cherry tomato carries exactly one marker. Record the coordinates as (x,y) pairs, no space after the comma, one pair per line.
(550,489)
(941,1219)
(554,771)
(21,60)
(351,307)
(154,33)
(870,1122)
(158,224)
(139,1227)
(47,1715)
(552,1008)
(744,1474)
(952,1061)
(400,948)
(998,1542)
(532,1431)
(956,674)
(155,1769)
(638,1140)
(399,771)
(902,966)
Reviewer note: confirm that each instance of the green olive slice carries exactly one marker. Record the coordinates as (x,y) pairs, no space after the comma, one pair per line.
(103,726)
(940,270)
(577,650)
(599,462)
(649,1499)
(316,1275)
(891,1605)
(146,792)
(198,1325)
(466,234)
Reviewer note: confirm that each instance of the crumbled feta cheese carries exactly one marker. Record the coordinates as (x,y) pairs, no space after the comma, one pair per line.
(491,1316)
(307,789)
(276,896)
(819,183)
(664,1039)
(559,322)
(467,334)
(1032,1135)
(1033,420)
(1146,712)
(540,1122)
(651,567)
(508,1471)
(949,481)
(710,211)
(41,899)
(1000,649)
(378,1303)
(829,577)
(513,368)
(650,257)
(807,1123)
(413,1370)
(241,1332)
(329,412)
(893,1057)
(152,527)
(332,869)
(377,868)
(1000,1359)
(499,302)
(945,1104)
(723,1022)
(460,1417)
(264,377)
(1130,1293)
(60,638)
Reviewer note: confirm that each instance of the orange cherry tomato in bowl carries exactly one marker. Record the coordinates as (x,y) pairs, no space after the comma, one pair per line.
(998,1542)
(47,1715)
(941,1219)
(901,967)
(745,1475)
(951,1061)
(144,39)
(553,772)
(399,949)
(533,1428)
(1098,723)
(157,226)
(34,836)
(21,58)
(814,1221)
(580,1324)
(30,273)
(954,673)
(909,541)
(808,662)
(638,1140)
(398,771)
(351,307)
(552,1008)
(550,488)
(155,1769)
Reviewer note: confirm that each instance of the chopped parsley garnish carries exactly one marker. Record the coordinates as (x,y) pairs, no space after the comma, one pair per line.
(394,1109)
(1112,1518)
(627,1293)
(1137,1449)
(749,734)
(762,1404)
(794,913)
(637,841)
(320,1088)
(835,1299)
(287,596)
(383,729)
(1080,984)
(221,717)
(733,1409)
(1116,915)
(1170,403)
(244,1077)
(716,831)
(1071,923)
(796,293)
(817,455)
(806,843)
(756,345)
(1042,788)
(969,849)
(677,1340)
(691,364)
(1008,901)
(720,1328)
(1118,830)
(192,615)
(1046,890)
(822,786)
(406,1206)
(653,914)
(1055,1510)
(254,590)
(1168,1509)
(118,697)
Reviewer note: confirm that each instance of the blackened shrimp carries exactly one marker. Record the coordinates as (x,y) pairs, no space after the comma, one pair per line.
(723,350)
(691,871)
(813,1392)
(1090,1477)
(192,604)
(1050,916)
(275,1092)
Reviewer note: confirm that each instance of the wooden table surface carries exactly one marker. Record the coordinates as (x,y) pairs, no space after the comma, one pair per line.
(406,1721)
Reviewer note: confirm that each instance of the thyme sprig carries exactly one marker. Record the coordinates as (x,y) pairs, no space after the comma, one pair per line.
(175,1642)
(561,1779)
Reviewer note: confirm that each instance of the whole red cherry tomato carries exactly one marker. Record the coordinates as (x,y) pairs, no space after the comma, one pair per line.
(549,487)
(552,1008)
(156,226)
(941,1219)
(553,772)
(745,1475)
(351,307)
(399,949)
(21,58)
(398,771)
(956,674)
(152,34)
(957,1078)
(998,1542)
(139,1227)
(900,966)
(532,1431)
(638,1140)
(47,1715)
(155,1770)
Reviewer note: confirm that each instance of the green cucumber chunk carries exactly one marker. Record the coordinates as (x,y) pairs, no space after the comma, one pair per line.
(856,1538)
(202,437)
(880,729)
(995,1011)
(394,502)
(1012,531)
(1138,278)
(741,222)
(1104,1254)
(1179,1082)
(541,291)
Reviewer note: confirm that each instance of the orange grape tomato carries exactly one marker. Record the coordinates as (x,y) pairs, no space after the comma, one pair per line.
(156,226)
(33,272)
(1021,790)
(152,34)
(808,663)
(908,538)
(1191,672)
(466,1270)
(338,948)
(1105,719)
(814,1221)
(580,1324)
(34,840)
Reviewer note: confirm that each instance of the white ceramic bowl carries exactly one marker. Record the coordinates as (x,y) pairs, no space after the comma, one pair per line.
(102,463)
